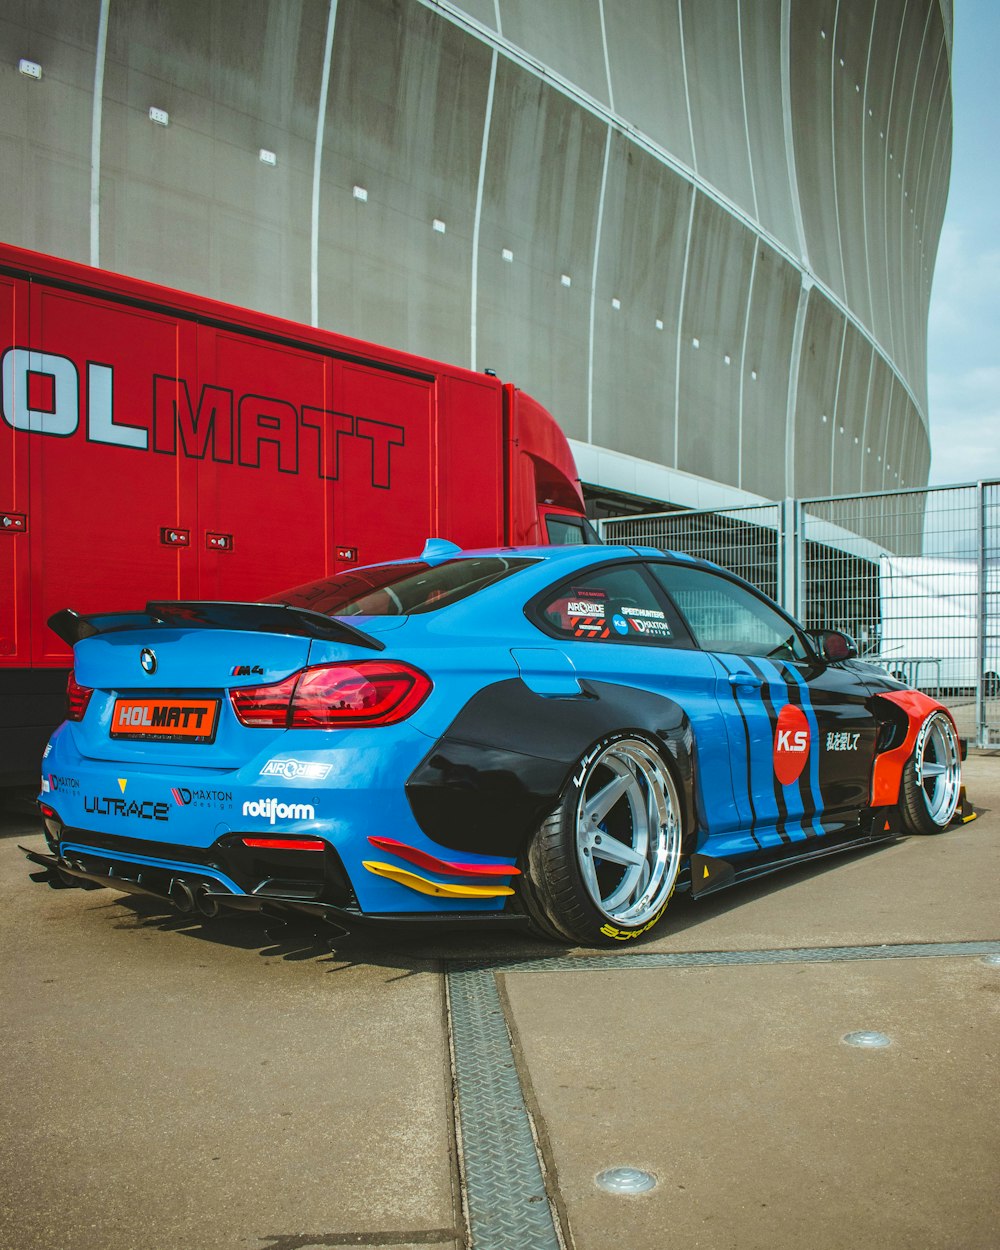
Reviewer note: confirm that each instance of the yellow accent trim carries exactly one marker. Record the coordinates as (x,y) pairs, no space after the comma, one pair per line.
(122,783)
(705,873)
(440,888)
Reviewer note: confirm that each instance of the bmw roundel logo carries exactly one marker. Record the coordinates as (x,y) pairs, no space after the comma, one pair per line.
(148,660)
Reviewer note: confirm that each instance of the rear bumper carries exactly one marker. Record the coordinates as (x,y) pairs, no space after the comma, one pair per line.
(198,889)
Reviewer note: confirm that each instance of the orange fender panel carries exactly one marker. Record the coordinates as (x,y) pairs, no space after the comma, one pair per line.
(887,775)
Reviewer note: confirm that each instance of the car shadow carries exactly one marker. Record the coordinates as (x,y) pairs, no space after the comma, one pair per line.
(401,950)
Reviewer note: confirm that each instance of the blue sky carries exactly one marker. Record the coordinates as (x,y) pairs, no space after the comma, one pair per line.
(964,344)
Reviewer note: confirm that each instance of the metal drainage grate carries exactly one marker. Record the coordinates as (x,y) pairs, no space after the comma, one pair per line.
(506,1201)
(623,962)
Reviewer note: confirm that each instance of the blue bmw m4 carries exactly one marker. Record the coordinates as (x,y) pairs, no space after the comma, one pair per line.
(559,737)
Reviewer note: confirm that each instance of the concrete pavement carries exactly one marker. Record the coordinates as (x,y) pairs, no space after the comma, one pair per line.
(171,1085)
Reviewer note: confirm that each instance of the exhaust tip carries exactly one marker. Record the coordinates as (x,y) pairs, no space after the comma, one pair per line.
(181,896)
(207,905)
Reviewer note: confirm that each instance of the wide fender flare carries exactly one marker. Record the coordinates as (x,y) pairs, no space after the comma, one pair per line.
(887,773)
(499,769)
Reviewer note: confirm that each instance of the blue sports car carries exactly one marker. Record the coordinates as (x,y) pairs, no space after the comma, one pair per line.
(556,736)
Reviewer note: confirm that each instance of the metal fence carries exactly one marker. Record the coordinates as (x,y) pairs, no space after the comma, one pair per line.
(912,575)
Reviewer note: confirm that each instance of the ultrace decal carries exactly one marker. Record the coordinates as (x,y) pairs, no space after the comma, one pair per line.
(218,799)
(842,742)
(129,809)
(292,770)
(273,809)
(791,744)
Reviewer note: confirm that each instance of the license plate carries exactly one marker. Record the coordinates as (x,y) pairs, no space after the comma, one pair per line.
(165,720)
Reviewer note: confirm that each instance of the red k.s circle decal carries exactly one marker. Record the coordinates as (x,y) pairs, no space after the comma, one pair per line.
(791,744)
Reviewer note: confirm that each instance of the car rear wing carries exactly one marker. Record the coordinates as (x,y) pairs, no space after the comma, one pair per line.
(258,618)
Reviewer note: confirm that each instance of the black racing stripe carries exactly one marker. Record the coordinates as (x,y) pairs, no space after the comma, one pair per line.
(746,744)
(772,716)
(804,782)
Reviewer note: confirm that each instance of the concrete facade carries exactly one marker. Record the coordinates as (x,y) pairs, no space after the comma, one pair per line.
(701,232)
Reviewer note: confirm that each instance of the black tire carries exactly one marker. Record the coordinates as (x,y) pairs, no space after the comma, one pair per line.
(622,798)
(932,778)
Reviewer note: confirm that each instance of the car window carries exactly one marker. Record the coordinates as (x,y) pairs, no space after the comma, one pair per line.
(725,616)
(614,604)
(400,589)
(564,531)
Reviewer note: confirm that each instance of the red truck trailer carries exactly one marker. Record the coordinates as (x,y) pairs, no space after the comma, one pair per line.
(159,445)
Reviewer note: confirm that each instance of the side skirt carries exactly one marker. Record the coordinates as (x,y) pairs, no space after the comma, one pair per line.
(706,875)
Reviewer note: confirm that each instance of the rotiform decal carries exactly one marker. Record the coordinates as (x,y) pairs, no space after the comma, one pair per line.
(129,809)
(272,809)
(791,744)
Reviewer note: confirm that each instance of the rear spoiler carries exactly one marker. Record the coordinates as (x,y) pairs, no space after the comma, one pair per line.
(261,618)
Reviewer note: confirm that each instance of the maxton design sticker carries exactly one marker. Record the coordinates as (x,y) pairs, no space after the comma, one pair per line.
(791,744)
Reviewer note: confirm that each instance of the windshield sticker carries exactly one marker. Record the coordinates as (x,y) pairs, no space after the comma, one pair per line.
(652,629)
(589,628)
(584,607)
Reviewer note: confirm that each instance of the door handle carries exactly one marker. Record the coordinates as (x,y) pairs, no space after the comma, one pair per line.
(745,679)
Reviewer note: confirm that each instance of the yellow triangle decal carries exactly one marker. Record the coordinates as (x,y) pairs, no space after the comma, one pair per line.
(122,783)
(705,873)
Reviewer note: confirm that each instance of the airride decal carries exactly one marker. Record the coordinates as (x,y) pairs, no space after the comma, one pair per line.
(43,393)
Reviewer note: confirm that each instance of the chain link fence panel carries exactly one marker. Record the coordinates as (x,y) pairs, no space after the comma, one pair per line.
(913,576)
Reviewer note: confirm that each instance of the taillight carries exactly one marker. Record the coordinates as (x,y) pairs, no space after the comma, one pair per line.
(334,696)
(77,697)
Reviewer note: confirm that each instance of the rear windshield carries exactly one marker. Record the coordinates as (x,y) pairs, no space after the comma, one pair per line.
(400,589)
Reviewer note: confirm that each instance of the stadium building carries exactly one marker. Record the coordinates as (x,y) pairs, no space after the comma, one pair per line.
(701,232)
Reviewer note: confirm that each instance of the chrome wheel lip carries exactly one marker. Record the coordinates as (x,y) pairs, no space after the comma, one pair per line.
(938,764)
(651,861)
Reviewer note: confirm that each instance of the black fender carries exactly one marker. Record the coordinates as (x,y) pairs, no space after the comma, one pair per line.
(500,767)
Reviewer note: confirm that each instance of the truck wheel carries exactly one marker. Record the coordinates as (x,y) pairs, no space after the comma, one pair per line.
(601,869)
(932,777)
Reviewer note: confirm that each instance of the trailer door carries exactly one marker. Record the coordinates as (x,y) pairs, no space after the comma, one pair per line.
(112,523)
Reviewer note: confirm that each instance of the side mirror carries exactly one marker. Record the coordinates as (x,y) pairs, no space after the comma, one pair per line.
(836,646)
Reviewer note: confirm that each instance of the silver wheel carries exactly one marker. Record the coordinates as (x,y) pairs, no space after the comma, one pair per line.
(937,768)
(628,832)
